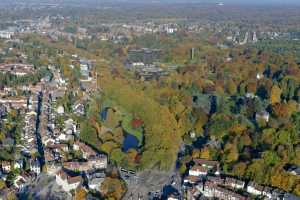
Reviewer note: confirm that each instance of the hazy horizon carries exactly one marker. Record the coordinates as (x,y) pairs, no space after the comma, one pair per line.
(257,2)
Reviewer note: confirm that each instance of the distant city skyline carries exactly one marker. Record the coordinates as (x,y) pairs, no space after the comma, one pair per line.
(218,1)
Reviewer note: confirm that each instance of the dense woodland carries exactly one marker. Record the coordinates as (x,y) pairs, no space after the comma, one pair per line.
(216,100)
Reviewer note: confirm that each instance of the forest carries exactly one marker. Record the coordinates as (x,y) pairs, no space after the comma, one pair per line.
(243,113)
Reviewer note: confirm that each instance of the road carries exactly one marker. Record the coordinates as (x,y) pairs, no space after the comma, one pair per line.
(37,132)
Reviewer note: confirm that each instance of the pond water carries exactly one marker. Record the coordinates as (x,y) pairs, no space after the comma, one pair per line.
(130,142)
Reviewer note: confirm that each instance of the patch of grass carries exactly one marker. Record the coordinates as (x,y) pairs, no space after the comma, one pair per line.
(126,125)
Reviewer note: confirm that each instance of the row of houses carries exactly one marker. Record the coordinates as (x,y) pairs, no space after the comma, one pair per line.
(17,69)
(60,140)
(205,179)
(27,147)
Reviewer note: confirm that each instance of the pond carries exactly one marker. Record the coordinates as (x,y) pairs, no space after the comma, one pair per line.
(130,142)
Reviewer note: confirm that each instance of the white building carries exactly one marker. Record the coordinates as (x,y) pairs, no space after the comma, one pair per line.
(6,166)
(95,183)
(98,162)
(60,110)
(198,171)
(35,166)
(6,34)
(254,189)
(66,182)
(264,115)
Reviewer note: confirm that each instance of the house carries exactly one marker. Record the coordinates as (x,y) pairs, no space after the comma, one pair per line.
(234,183)
(191,179)
(78,109)
(193,193)
(69,126)
(17,69)
(277,194)
(211,190)
(206,163)
(198,171)
(255,189)
(6,166)
(294,170)
(267,192)
(35,166)
(263,115)
(98,162)
(259,76)
(60,147)
(213,166)
(67,182)
(215,179)
(14,102)
(60,110)
(85,149)
(6,34)
(77,166)
(62,137)
(19,164)
(173,197)
(95,183)
(49,157)
(53,168)
(250,95)
(59,93)
(95,179)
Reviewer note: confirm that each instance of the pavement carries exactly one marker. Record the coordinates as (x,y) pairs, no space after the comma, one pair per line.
(151,181)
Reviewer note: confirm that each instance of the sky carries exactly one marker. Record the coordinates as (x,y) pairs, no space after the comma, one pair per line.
(224,1)
(263,2)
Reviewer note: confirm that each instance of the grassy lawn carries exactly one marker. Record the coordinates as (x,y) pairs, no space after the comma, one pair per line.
(126,119)
(126,125)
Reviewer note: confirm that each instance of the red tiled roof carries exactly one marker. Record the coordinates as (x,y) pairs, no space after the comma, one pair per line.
(199,168)
(206,162)
(85,148)
(192,178)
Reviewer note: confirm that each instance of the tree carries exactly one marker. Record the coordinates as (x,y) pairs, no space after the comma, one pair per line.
(108,147)
(231,152)
(2,184)
(80,194)
(118,156)
(257,171)
(280,110)
(270,157)
(239,169)
(131,156)
(113,188)
(205,153)
(231,87)
(275,96)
